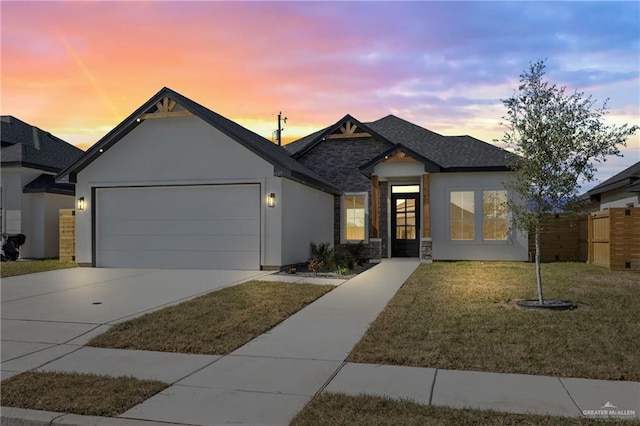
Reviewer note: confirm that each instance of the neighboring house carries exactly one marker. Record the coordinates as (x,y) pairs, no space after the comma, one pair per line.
(30,197)
(621,190)
(176,185)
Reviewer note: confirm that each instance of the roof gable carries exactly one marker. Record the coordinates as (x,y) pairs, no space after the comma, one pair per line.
(168,103)
(399,153)
(346,128)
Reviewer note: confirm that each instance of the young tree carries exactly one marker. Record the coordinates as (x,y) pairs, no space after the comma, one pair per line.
(558,138)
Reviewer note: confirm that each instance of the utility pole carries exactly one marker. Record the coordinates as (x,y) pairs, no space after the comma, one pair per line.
(280,120)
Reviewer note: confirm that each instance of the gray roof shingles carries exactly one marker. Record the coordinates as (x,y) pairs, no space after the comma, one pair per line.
(449,152)
(629,178)
(28,146)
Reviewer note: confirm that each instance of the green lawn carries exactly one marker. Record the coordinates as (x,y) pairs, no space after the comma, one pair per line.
(84,394)
(460,315)
(23,267)
(216,323)
(330,409)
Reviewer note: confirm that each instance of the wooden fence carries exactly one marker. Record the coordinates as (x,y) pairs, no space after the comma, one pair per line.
(563,238)
(67,235)
(614,238)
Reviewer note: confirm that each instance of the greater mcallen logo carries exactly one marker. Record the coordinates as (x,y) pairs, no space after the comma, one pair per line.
(609,410)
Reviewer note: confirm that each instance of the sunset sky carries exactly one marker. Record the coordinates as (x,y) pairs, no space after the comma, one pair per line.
(76,69)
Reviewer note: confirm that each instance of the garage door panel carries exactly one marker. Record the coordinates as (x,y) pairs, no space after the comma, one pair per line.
(186,243)
(168,202)
(185,227)
(182,259)
(201,227)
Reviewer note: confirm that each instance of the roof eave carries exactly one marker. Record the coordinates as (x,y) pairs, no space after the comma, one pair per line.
(53,190)
(30,166)
(314,183)
(475,169)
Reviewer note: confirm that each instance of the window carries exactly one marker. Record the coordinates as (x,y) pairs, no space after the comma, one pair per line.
(494,215)
(401,189)
(461,215)
(354,215)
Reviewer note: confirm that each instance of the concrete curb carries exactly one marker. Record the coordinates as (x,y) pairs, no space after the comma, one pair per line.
(11,416)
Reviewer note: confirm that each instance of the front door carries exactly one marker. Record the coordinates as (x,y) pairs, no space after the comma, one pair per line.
(405,224)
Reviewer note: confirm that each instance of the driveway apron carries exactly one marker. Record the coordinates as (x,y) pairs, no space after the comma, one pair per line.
(49,315)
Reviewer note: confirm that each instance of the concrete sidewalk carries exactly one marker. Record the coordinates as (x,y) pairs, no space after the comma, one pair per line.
(270,379)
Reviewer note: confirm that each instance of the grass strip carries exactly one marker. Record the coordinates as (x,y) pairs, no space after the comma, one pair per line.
(334,409)
(461,315)
(11,269)
(217,323)
(84,394)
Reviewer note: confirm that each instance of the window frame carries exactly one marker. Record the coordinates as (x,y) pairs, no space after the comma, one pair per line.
(343,218)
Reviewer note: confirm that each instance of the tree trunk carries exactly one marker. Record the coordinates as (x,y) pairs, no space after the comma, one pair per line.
(538,276)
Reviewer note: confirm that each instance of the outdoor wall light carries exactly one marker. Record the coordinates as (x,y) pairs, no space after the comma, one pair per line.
(271,200)
(81,203)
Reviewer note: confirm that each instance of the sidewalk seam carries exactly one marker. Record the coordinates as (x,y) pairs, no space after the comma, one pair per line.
(330,379)
(195,371)
(570,397)
(57,418)
(433,386)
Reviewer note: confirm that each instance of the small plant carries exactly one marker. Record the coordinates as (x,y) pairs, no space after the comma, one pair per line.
(354,254)
(291,270)
(315,265)
(342,270)
(322,252)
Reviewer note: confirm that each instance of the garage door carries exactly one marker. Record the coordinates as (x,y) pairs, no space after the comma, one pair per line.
(187,227)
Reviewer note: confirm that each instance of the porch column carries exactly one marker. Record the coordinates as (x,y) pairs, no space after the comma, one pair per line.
(375,203)
(426,244)
(426,229)
(375,242)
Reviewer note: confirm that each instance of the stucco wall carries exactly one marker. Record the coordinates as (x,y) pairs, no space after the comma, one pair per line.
(40,223)
(618,198)
(515,248)
(307,216)
(175,151)
(13,180)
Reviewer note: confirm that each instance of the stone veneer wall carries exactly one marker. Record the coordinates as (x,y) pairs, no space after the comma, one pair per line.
(337,160)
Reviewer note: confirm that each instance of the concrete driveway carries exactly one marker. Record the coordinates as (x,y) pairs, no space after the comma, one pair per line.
(47,315)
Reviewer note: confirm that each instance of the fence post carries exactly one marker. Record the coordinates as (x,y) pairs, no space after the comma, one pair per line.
(590,239)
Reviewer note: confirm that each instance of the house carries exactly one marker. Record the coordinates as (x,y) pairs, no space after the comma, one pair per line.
(408,191)
(621,190)
(30,198)
(176,185)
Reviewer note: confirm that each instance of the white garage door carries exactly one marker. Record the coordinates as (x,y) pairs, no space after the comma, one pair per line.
(187,227)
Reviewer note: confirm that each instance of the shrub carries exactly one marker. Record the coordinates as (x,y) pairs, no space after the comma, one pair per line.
(354,254)
(323,253)
(315,265)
